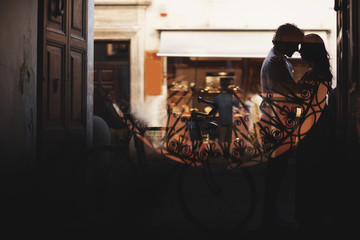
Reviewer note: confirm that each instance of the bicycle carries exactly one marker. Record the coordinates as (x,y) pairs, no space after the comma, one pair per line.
(214,193)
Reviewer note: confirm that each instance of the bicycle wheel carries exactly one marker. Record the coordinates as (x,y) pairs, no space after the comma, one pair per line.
(215,198)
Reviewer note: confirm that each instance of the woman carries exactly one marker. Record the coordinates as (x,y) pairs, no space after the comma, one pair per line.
(313,161)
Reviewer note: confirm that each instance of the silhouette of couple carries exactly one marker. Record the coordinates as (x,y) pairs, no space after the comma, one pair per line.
(295,112)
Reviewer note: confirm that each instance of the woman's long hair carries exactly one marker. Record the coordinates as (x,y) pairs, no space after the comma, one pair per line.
(317,54)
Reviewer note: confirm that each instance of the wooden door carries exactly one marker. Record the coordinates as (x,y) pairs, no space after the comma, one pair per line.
(63,73)
(110,78)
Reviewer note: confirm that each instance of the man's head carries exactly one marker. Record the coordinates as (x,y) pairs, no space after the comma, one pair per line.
(287,38)
(224,83)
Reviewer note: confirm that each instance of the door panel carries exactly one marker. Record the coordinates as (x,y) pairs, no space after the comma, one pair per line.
(54,88)
(55,23)
(113,77)
(78,19)
(77,89)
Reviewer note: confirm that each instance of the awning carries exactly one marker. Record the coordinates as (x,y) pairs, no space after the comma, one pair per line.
(238,44)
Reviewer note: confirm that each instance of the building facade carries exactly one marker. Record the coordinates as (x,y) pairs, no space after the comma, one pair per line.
(177,46)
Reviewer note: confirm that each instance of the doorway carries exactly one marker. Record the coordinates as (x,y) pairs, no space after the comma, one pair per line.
(111,74)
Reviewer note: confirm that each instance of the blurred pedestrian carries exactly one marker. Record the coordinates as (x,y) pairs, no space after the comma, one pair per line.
(225,102)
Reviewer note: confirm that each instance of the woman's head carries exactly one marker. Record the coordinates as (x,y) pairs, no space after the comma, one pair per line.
(314,52)
(313,49)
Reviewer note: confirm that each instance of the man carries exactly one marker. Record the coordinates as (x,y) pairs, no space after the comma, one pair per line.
(277,79)
(276,70)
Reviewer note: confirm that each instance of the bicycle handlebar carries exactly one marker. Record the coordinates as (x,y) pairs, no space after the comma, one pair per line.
(212,113)
(200,99)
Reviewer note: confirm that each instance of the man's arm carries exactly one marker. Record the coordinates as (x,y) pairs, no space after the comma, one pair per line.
(280,77)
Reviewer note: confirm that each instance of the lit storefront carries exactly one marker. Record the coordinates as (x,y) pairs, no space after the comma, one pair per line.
(196,61)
